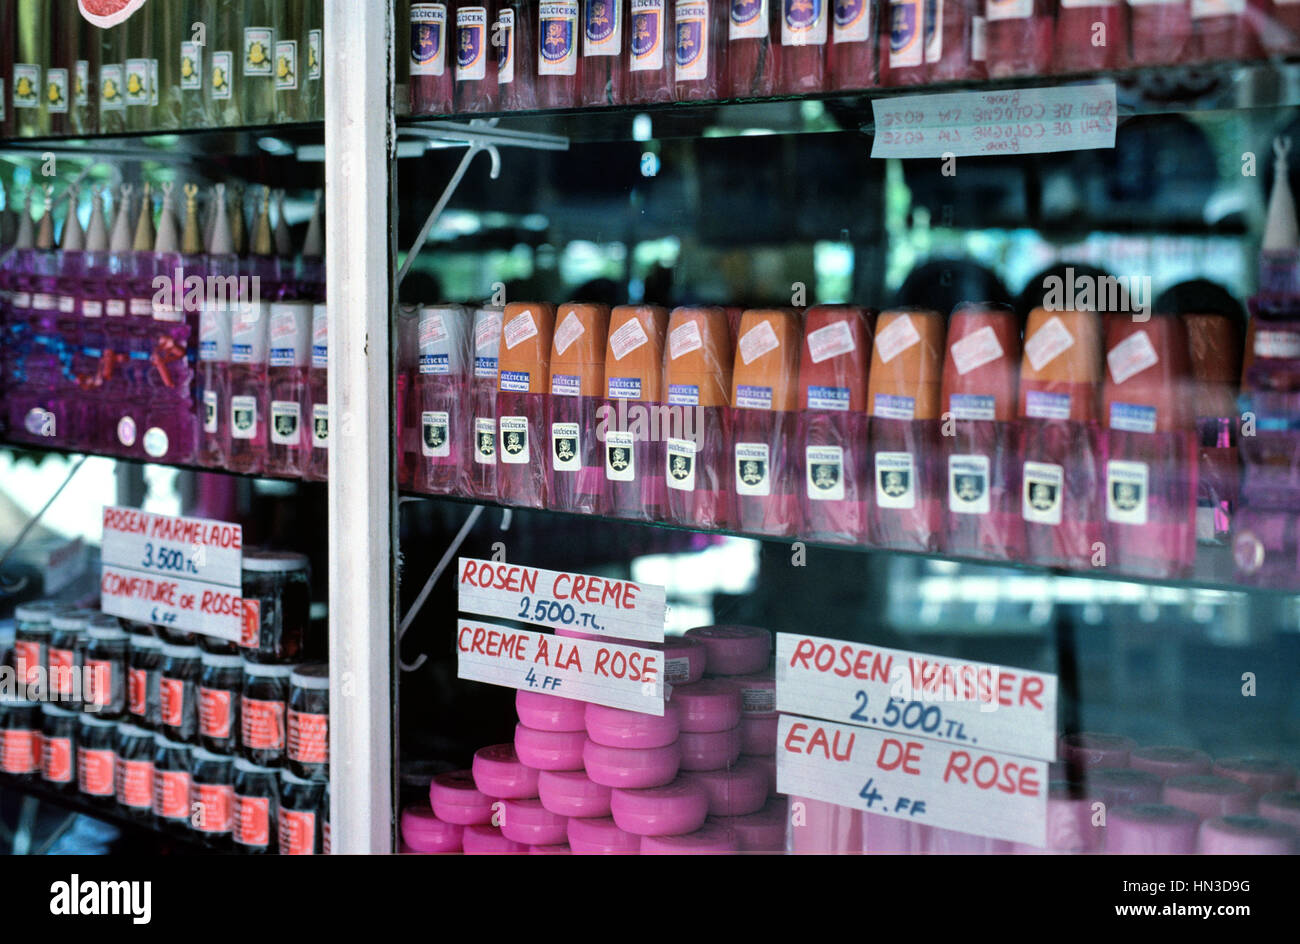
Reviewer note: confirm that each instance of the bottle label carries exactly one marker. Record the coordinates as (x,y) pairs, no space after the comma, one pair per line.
(968,485)
(565,385)
(692,41)
(830,341)
(99,683)
(566,453)
(899,335)
(471,44)
(191,66)
(135,783)
(1133,417)
(515,380)
(624,388)
(570,330)
(56,91)
(972,406)
(214,712)
(252,821)
(56,759)
(752,465)
(895,480)
(137,82)
(803,22)
(250,625)
(978,43)
(514,440)
(757,341)
(92,308)
(223,64)
(320,425)
(210,411)
(171,698)
(315,46)
(677,671)
(557,52)
(485,367)
(1051,340)
(683,339)
(627,338)
(1204,8)
(171,794)
(213,810)
(27,85)
(67,304)
(684,394)
(1131,356)
(828,398)
(1126,492)
(825,465)
(62,665)
(285,422)
(519,329)
(906,40)
(852,21)
(286,65)
(20,300)
(309,741)
(748,19)
(243,417)
(43,301)
(485,440)
(1010,9)
(435,429)
(95,771)
(620,456)
(647,44)
(893,407)
(80,87)
(259,41)
(261,724)
(29,660)
(137,691)
(153,82)
(428,38)
(1279,344)
(1041,498)
(110,88)
(297,832)
(20,752)
(754,397)
(1042,405)
(933,30)
(975,350)
(603,32)
(435,364)
(504,41)
(680,464)
(155,442)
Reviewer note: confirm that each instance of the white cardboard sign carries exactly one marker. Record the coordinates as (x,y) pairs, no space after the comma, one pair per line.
(173,602)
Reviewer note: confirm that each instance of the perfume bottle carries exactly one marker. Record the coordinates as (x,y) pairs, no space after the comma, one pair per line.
(701,49)
(1020,36)
(71,267)
(476,65)
(514,45)
(1161,33)
(603,26)
(442,399)
(1090,35)
(576,468)
(90,296)
(805,39)
(753,47)
(632,441)
(1214,346)
(115,370)
(902,43)
(407,330)
(853,45)
(559,59)
(249,391)
(170,432)
(949,38)
(317,469)
(483,403)
(649,55)
(525,351)
(288,361)
(216,322)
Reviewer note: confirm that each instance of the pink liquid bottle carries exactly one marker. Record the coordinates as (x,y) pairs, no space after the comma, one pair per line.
(1062,447)
(288,360)
(432,71)
(318,462)
(765,403)
(559,59)
(853,45)
(90,294)
(216,319)
(949,37)
(115,364)
(697,440)
(1091,34)
(1214,346)
(603,27)
(701,49)
(634,460)
(514,45)
(805,39)
(649,56)
(902,43)
(72,259)
(249,391)
(442,400)
(286,268)
(144,264)
(408,414)
(1228,30)
(753,47)
(524,360)
(263,267)
(1020,36)
(483,403)
(41,378)
(311,262)
(833,426)
(1161,32)
(980,436)
(1280,33)
(576,464)
(476,65)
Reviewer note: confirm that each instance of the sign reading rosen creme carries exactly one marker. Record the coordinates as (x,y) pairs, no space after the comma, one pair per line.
(182,573)
(925,782)
(581,669)
(598,606)
(984,706)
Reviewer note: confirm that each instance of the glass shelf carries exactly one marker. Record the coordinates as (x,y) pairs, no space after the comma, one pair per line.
(182,466)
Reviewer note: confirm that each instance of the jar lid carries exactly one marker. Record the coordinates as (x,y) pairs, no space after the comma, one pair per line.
(211,757)
(145,642)
(288,777)
(258,670)
(274,561)
(104,619)
(98,722)
(221,660)
(315,675)
(248,767)
(38,612)
(180,650)
(163,740)
(126,729)
(10,702)
(112,633)
(57,711)
(70,620)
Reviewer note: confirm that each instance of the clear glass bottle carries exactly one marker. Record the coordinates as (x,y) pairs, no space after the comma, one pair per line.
(289,436)
(249,390)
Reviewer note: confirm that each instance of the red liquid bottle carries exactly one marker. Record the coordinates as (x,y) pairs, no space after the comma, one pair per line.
(288,359)
(1062,446)
(753,47)
(559,62)
(483,403)
(214,384)
(249,391)
(701,49)
(697,454)
(576,467)
(634,451)
(949,32)
(602,51)
(980,435)
(1214,346)
(903,401)
(1020,36)
(805,41)
(441,395)
(512,39)
(1227,30)
(1161,32)
(834,424)
(649,56)
(902,44)
(765,419)
(524,358)
(1091,35)
(853,36)
(431,70)
(476,64)
(408,415)
(318,463)
(1150,448)
(1280,33)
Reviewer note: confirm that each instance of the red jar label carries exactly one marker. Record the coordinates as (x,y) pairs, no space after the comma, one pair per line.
(214,713)
(27,660)
(252,824)
(56,759)
(137,691)
(99,683)
(171,698)
(95,771)
(250,627)
(62,668)
(325,837)
(261,724)
(21,753)
(309,741)
(297,832)
(135,783)
(214,807)
(171,794)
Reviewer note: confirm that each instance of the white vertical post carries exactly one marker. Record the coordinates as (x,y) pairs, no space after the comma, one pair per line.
(360,149)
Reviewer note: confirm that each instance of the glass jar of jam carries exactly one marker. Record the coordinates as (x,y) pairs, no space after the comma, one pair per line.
(257,803)
(59,747)
(135,773)
(302,813)
(105,667)
(66,655)
(32,640)
(143,675)
(277,606)
(217,646)
(20,726)
(178,692)
(171,784)
(263,704)
(97,758)
(308,750)
(221,680)
(212,797)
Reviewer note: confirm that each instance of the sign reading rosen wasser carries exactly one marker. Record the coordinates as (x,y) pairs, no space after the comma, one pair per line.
(182,573)
(597,606)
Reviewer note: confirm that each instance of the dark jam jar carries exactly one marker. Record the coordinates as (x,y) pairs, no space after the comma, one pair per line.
(135,772)
(178,692)
(97,758)
(104,680)
(302,813)
(171,784)
(216,646)
(308,749)
(20,728)
(221,680)
(277,606)
(59,747)
(257,803)
(212,797)
(66,655)
(32,640)
(263,705)
(142,675)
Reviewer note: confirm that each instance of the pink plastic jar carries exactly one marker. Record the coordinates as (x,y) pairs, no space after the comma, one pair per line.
(631,767)
(761,831)
(685,659)
(530,823)
(499,773)
(757,693)
(820,828)
(615,727)
(1245,835)
(671,810)
(488,840)
(709,750)
(559,848)
(758,735)
(1087,750)
(739,791)
(572,793)
(549,712)
(549,750)
(1069,823)
(734,650)
(710,705)
(1261,774)
(1151,829)
(1209,796)
(1167,762)
(455,799)
(709,839)
(1281,807)
(601,836)
(1120,786)
(424,832)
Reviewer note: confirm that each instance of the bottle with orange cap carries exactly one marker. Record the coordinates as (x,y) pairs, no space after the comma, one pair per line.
(832,436)
(980,444)
(441,388)
(525,373)
(1150,448)
(903,402)
(482,470)
(629,421)
(697,427)
(765,398)
(1063,451)
(575,472)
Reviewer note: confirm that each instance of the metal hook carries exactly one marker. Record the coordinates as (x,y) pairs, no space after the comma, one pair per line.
(428,588)
(31,523)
